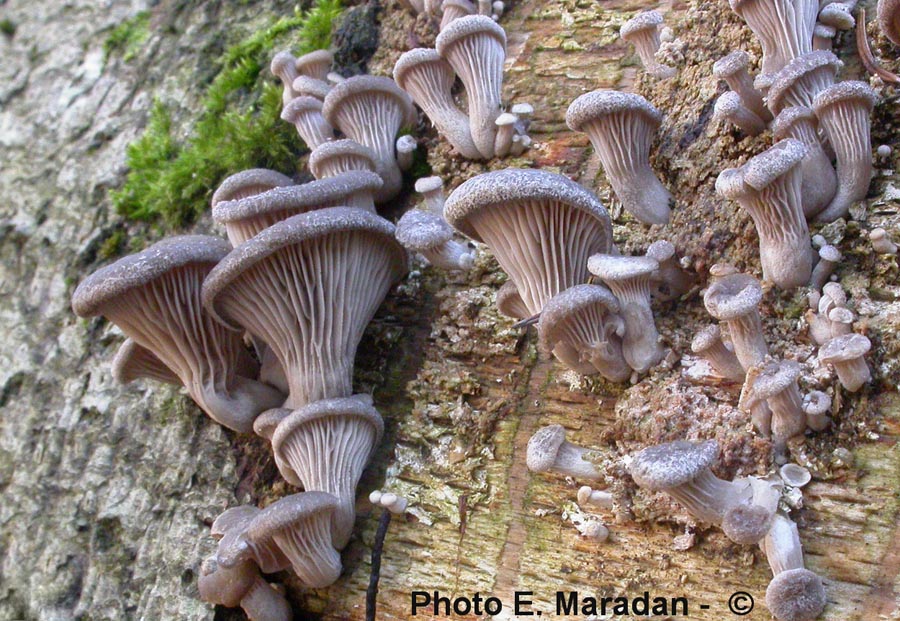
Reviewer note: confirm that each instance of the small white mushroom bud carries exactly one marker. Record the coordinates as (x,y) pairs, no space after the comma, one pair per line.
(594,497)
(406,148)
(423,232)
(834,295)
(881,243)
(497,7)
(548,451)
(841,321)
(593,529)
(506,127)
(847,355)
(643,32)
(817,406)
(375,497)
(884,151)
(730,109)
(829,257)
(795,593)
(708,344)
(432,190)
(393,503)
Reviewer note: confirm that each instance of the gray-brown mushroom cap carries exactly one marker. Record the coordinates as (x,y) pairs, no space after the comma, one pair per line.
(465,27)
(588,106)
(326,153)
(568,302)
(325,408)
(419,230)
(788,117)
(707,337)
(286,511)
(133,362)
(642,21)
(789,88)
(764,169)
(844,348)
(502,189)
(246,182)
(306,86)
(733,296)
(773,379)
(665,466)
(851,89)
(796,595)
(746,523)
(729,65)
(136,270)
(543,448)
(619,268)
(290,231)
(368,83)
(298,105)
(315,64)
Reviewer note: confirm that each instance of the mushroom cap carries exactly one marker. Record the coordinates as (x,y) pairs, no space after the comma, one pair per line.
(306,86)
(825,32)
(235,518)
(506,119)
(313,58)
(265,424)
(367,85)
(661,250)
(470,25)
(844,348)
(795,475)
(770,379)
(830,253)
(285,512)
(746,523)
(640,22)
(672,464)
(797,68)
(502,189)
(139,269)
(413,59)
(429,184)
(837,15)
(836,292)
(706,338)
(225,586)
(298,198)
(839,314)
(732,296)
(731,64)
(338,148)
(788,117)
(850,91)
(729,103)
(341,407)
(420,230)
(294,230)
(543,447)
(564,305)
(298,106)
(795,595)
(253,178)
(509,302)
(618,267)
(522,109)
(589,106)
(764,169)
(407,144)
(816,402)
(281,61)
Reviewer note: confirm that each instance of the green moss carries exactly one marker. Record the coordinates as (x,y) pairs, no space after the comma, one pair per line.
(112,246)
(239,127)
(128,37)
(7,27)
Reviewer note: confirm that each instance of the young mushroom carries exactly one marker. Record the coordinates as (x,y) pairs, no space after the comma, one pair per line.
(673,280)
(776,384)
(643,32)
(340,156)
(881,242)
(817,406)
(748,522)
(735,300)
(682,470)
(768,187)
(621,127)
(829,257)
(429,234)
(594,497)
(843,111)
(802,79)
(784,28)
(432,190)
(795,593)
(154,297)
(583,322)
(819,183)
(246,217)
(841,321)
(707,344)
(305,86)
(475,46)
(733,69)
(307,286)
(134,362)
(283,65)
(371,110)
(327,444)
(315,64)
(730,109)
(631,280)
(406,148)
(305,114)
(541,227)
(247,183)
(548,451)
(847,355)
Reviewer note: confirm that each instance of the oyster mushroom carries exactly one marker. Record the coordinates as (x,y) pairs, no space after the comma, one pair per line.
(134,362)
(327,445)
(748,522)
(631,280)
(506,127)
(307,286)
(154,297)
(406,148)
(305,114)
(455,9)
(768,187)
(843,111)
(295,532)
(707,344)
(584,320)
(776,384)
(548,451)
(283,66)
(682,470)
(429,79)
(541,227)
(673,280)
(837,15)
(800,81)
(432,190)
(733,69)
(795,593)
(846,354)
(340,156)
(881,242)
(371,110)
(594,497)
(784,28)
(819,183)
(475,46)
(643,32)
(315,64)
(430,235)
(246,217)
(829,257)
(735,300)
(621,128)
(730,109)
(817,406)
(247,183)
(305,86)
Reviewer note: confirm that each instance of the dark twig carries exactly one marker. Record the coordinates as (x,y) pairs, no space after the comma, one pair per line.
(372,590)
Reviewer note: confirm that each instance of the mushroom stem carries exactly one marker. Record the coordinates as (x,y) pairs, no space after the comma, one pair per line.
(264,603)
(829,256)
(406,149)
(782,545)
(733,69)
(506,128)
(708,344)
(729,108)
